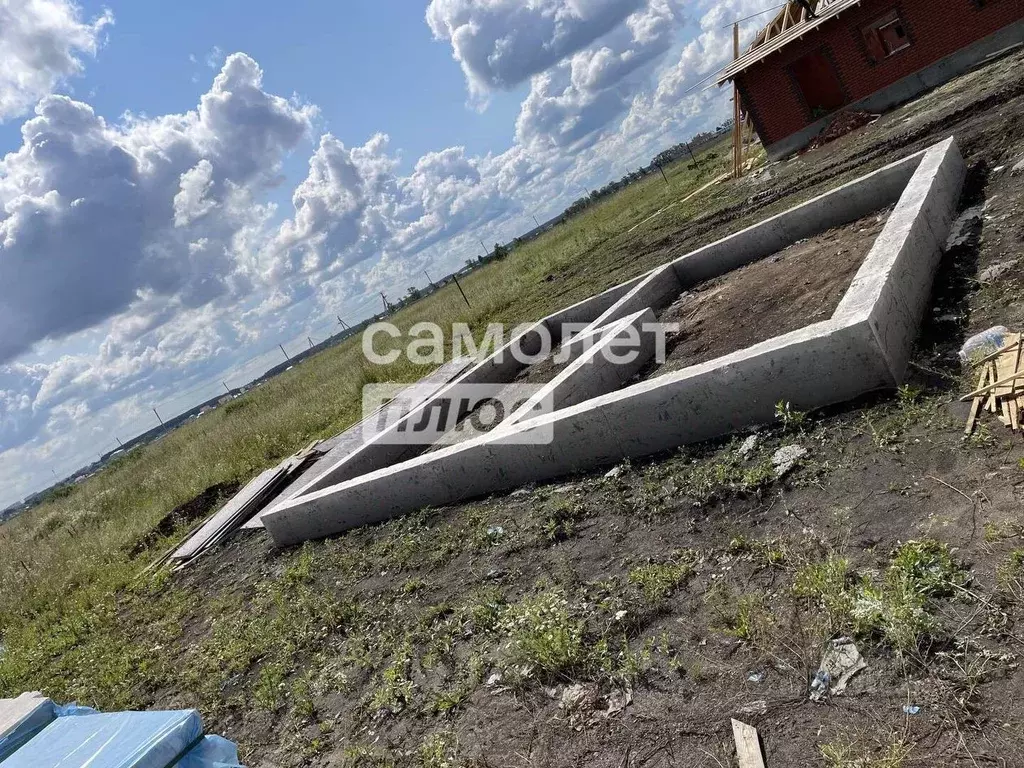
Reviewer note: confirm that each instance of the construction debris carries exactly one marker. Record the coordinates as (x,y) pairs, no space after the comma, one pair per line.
(749,446)
(246,503)
(844,123)
(786,458)
(1000,385)
(997,271)
(842,660)
(983,343)
(35,732)
(748,745)
(21,719)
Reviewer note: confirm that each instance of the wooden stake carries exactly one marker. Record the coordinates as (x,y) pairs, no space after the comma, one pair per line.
(737,129)
(991,388)
(748,745)
(993,376)
(1012,399)
(1006,365)
(976,405)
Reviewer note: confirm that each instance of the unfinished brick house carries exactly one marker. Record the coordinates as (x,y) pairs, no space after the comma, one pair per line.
(865,55)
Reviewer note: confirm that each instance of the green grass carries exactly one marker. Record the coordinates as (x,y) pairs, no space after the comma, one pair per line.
(658,581)
(828,583)
(545,634)
(899,607)
(560,519)
(846,753)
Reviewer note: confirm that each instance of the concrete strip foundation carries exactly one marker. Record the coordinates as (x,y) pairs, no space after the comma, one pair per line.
(864,346)
(499,368)
(841,206)
(596,371)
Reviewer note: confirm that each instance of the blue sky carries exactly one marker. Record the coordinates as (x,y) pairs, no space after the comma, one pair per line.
(411,87)
(184,187)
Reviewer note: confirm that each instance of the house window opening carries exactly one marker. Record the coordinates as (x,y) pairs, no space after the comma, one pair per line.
(886,37)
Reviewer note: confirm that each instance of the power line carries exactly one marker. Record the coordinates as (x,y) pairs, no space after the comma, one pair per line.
(759,13)
(714,74)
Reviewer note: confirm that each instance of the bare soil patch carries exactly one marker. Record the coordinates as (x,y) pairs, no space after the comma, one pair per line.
(202,506)
(798,286)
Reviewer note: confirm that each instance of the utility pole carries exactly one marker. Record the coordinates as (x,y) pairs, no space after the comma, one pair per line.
(310,340)
(387,305)
(737,131)
(158,417)
(483,246)
(429,280)
(690,150)
(119,441)
(459,286)
(226,387)
(281,347)
(344,325)
(663,174)
(535,220)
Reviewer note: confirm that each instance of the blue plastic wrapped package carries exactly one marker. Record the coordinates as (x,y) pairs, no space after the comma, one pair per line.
(21,719)
(73,710)
(114,740)
(211,752)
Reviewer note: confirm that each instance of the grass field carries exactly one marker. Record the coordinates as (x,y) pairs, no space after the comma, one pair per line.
(70,555)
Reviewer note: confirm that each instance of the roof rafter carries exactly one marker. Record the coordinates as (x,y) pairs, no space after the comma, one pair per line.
(791,23)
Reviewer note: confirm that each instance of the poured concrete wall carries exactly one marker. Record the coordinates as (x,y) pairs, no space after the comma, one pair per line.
(596,370)
(384,450)
(833,209)
(863,347)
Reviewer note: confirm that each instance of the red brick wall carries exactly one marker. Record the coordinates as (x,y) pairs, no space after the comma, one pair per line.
(937,28)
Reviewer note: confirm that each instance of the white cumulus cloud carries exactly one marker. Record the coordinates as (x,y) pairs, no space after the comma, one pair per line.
(93,214)
(41,45)
(502,43)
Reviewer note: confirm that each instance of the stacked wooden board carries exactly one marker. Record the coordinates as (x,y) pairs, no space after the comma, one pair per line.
(1000,385)
(246,503)
(353,438)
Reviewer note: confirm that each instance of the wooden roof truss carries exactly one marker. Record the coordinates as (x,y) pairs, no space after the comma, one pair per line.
(790,24)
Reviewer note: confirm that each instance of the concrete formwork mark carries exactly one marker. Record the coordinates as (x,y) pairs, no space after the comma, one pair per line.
(822,364)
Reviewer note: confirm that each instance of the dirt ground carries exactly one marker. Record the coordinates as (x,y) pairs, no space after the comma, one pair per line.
(622,619)
(800,285)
